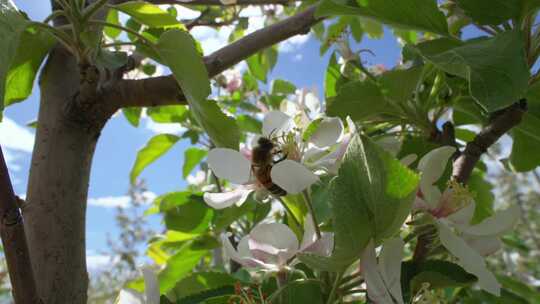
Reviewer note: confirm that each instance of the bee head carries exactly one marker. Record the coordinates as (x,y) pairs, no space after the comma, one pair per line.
(265,143)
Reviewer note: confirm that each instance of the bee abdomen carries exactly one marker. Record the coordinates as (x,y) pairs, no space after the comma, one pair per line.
(276,190)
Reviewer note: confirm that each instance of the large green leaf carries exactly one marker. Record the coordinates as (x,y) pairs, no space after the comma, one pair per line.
(332,78)
(192,157)
(370,198)
(496,68)
(178,267)
(360,100)
(525,154)
(168,114)
(192,217)
(399,85)
(34,45)
(495,12)
(156,147)
(303,292)
(148,14)
(422,15)
(177,48)
(280,86)
(483,196)
(200,282)
(12,26)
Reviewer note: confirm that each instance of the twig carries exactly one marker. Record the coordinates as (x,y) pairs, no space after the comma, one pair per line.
(14,241)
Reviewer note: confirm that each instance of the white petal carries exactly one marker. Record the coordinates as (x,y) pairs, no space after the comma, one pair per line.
(328,133)
(221,200)
(391,144)
(273,241)
(432,165)
(288,107)
(376,288)
(408,159)
(499,223)
(484,245)
(310,236)
(463,216)
(242,256)
(229,164)
(275,122)
(128,296)
(431,194)
(292,176)
(390,266)
(151,285)
(469,259)
(312,102)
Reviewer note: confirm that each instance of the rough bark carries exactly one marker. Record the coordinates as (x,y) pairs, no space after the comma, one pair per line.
(58,187)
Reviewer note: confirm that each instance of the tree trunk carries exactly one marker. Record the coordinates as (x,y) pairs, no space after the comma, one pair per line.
(58,186)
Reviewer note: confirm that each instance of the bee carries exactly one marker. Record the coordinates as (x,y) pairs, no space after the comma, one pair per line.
(262,160)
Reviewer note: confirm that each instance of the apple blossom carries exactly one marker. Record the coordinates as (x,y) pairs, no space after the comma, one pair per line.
(271,246)
(453,211)
(151,290)
(383,279)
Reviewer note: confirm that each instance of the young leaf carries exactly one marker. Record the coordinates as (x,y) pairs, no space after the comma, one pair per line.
(192,157)
(177,48)
(284,87)
(496,68)
(33,46)
(155,148)
(178,267)
(192,217)
(525,154)
(168,114)
(422,15)
(148,14)
(133,115)
(202,281)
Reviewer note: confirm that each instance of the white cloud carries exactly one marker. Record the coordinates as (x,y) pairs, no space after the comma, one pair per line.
(211,39)
(298,57)
(294,43)
(96,262)
(171,128)
(122,201)
(10,157)
(16,137)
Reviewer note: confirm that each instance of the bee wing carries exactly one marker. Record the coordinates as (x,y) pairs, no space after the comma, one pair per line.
(292,176)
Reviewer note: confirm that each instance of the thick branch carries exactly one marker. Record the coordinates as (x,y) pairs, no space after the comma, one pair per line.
(14,241)
(159,91)
(501,122)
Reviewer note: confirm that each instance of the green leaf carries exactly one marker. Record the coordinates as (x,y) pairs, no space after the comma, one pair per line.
(178,267)
(112,17)
(483,196)
(495,12)
(111,60)
(284,87)
(33,46)
(399,85)
(439,274)
(202,282)
(422,15)
(519,288)
(496,68)
(249,124)
(192,157)
(192,217)
(303,292)
(332,78)
(178,51)
(370,198)
(172,200)
(360,100)
(168,114)
(133,115)
(525,154)
(373,28)
(191,74)
(148,14)
(311,128)
(155,148)
(12,27)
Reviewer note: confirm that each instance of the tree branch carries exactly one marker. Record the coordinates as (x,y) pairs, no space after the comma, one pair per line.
(20,270)
(500,123)
(164,90)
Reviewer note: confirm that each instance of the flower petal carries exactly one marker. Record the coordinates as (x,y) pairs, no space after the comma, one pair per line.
(432,166)
(273,241)
(275,122)
(484,245)
(390,266)
(229,164)
(310,236)
(241,256)
(431,194)
(463,216)
(499,223)
(469,259)
(292,176)
(376,288)
(312,102)
(328,132)
(221,200)
(128,296)
(151,285)
(288,107)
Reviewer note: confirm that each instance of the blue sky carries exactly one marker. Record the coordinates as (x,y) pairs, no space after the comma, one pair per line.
(299,62)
